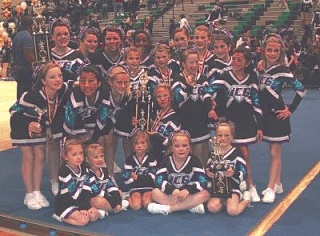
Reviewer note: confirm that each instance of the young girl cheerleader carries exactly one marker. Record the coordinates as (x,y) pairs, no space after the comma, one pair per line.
(118,80)
(86,106)
(236,172)
(124,126)
(106,195)
(142,41)
(139,171)
(89,40)
(276,114)
(240,90)
(161,70)
(69,59)
(202,40)
(180,180)
(187,94)
(72,204)
(111,53)
(36,118)
(166,121)
(222,47)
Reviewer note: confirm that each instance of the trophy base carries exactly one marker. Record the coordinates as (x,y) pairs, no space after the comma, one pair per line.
(221,187)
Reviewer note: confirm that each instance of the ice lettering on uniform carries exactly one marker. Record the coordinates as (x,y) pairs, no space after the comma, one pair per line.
(140,170)
(266,80)
(239,92)
(179,179)
(86,112)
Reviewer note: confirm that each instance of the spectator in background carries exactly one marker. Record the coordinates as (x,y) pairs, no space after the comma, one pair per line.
(23,56)
(118,8)
(172,27)
(184,23)
(305,9)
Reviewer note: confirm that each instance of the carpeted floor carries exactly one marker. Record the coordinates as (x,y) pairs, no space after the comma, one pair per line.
(299,156)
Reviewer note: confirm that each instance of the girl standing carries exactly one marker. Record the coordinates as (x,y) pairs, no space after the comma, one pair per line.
(166,121)
(180,180)
(139,171)
(276,114)
(69,59)
(240,90)
(110,54)
(187,93)
(36,119)
(88,41)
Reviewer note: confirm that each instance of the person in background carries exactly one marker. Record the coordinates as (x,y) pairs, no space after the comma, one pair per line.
(23,56)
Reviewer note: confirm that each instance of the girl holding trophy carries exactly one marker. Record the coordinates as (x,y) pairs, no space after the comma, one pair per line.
(36,118)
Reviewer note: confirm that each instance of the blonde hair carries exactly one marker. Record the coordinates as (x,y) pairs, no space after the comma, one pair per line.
(93,147)
(71,142)
(275,39)
(140,134)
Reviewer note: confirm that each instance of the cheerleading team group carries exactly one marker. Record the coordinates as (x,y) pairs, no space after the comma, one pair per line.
(85,101)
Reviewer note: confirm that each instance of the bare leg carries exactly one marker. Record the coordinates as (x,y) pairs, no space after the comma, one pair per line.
(234,207)
(275,166)
(27,166)
(127,147)
(110,146)
(215,205)
(53,158)
(201,150)
(38,166)
(189,202)
(246,155)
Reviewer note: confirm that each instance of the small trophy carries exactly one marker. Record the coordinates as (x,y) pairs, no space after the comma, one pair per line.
(220,183)
(40,114)
(40,36)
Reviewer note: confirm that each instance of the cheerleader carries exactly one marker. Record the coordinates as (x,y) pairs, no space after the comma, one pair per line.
(88,37)
(69,59)
(36,119)
(165,122)
(242,107)
(111,52)
(180,180)
(276,114)
(142,40)
(161,71)
(236,172)
(202,41)
(124,126)
(87,107)
(192,111)
(106,195)
(139,171)
(72,204)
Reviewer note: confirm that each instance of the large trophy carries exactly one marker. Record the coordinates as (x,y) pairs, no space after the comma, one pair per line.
(220,183)
(144,104)
(40,35)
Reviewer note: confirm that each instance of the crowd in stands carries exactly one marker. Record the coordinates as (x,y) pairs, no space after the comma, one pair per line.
(163,99)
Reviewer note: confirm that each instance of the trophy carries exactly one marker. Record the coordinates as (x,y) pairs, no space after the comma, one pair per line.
(144,103)
(40,36)
(40,114)
(220,184)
